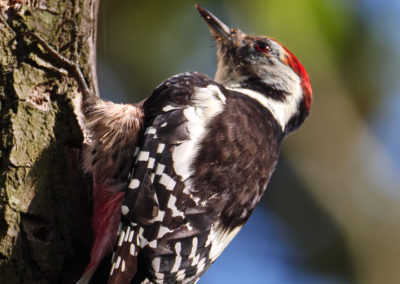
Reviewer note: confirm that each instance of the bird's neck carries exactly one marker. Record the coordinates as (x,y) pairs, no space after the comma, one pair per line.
(282,105)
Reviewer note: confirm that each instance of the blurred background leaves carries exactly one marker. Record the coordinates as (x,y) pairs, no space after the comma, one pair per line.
(331,213)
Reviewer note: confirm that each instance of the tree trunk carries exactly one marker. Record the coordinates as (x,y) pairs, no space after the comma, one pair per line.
(44,196)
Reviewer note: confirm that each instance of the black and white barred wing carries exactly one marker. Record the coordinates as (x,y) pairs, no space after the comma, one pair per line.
(164,234)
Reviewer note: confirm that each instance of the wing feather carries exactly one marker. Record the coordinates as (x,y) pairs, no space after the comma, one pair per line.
(173,228)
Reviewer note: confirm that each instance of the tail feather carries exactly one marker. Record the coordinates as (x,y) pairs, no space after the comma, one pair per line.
(106,219)
(87,275)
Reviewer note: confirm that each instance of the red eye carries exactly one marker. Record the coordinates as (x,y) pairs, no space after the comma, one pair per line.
(262,47)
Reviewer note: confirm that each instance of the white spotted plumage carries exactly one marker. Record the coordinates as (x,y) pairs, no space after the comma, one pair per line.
(124,209)
(168,182)
(143,156)
(134,184)
(207,103)
(178,257)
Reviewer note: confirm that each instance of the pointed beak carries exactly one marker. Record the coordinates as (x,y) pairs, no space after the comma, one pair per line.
(216,26)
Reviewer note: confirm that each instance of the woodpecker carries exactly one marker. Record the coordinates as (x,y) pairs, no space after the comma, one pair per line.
(177,175)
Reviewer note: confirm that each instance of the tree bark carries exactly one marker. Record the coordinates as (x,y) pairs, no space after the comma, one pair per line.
(44,196)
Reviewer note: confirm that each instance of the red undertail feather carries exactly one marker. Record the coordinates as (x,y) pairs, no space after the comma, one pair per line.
(106,218)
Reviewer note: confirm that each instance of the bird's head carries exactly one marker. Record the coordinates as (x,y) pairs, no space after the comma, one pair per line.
(261,67)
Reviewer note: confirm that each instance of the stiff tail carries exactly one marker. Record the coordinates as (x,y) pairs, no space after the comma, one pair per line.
(106,218)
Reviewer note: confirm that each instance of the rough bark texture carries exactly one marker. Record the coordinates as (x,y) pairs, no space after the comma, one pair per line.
(44,196)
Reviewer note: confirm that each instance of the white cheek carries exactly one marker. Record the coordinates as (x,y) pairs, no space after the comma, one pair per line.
(283,78)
